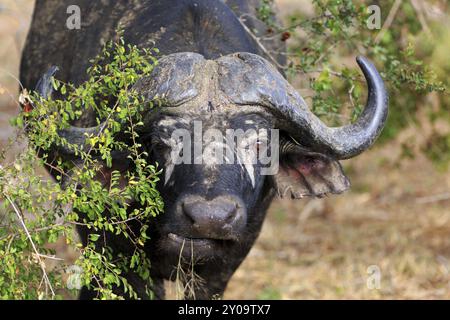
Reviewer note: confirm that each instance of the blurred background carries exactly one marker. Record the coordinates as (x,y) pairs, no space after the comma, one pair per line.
(392,226)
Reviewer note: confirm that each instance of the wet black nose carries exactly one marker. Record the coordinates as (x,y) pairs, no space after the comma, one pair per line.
(219,218)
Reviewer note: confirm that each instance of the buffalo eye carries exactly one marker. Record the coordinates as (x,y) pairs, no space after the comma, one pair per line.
(258,146)
(157,146)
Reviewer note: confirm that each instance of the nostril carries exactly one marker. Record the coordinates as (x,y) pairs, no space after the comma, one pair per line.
(188,212)
(232,214)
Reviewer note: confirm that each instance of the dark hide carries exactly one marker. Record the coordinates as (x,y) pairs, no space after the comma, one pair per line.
(212,71)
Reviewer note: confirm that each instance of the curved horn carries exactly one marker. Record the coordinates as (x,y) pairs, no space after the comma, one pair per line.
(350,140)
(44,86)
(248,79)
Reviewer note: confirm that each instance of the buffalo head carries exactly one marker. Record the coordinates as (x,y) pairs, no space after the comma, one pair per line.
(214,209)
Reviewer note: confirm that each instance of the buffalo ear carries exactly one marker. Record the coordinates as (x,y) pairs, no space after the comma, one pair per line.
(308,174)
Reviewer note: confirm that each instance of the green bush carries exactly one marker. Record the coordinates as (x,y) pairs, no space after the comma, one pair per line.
(37,211)
(338,31)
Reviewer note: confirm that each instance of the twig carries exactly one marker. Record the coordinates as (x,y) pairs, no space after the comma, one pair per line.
(50,257)
(324,54)
(111,223)
(336,74)
(38,255)
(33,230)
(350,95)
(12,76)
(419,11)
(258,42)
(308,210)
(433,198)
(178,281)
(292,26)
(389,20)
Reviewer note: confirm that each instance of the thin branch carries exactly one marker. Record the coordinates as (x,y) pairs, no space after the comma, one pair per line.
(260,45)
(49,257)
(294,26)
(18,233)
(350,95)
(419,11)
(111,223)
(336,74)
(12,76)
(433,198)
(389,20)
(324,54)
(38,255)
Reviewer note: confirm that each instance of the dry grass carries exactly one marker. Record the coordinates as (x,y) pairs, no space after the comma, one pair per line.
(379,223)
(14,23)
(323,248)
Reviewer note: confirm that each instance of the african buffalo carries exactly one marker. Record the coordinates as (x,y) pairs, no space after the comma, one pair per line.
(212,72)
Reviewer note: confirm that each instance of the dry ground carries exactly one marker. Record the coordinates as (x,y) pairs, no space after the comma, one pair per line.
(396,218)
